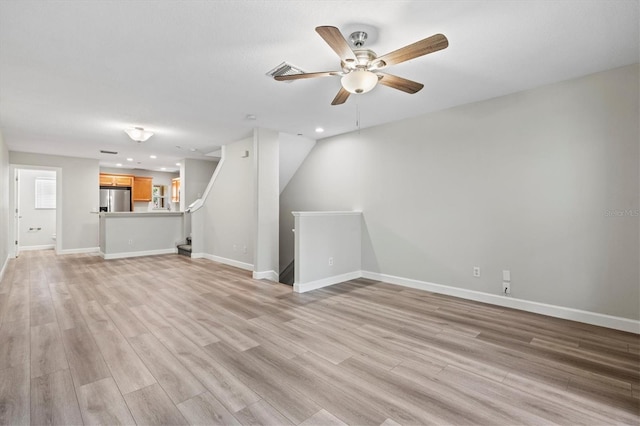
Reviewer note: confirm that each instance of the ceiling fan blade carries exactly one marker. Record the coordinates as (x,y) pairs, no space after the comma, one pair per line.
(411,51)
(407,86)
(336,41)
(341,97)
(306,75)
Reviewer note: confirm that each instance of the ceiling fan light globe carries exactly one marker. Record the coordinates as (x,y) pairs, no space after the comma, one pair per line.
(138,134)
(361,81)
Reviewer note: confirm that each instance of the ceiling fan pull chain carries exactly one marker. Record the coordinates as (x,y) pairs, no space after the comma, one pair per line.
(358,116)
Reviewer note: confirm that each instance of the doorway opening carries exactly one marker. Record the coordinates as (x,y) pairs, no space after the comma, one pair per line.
(36,198)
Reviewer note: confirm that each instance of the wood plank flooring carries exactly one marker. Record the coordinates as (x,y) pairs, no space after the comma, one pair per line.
(171,340)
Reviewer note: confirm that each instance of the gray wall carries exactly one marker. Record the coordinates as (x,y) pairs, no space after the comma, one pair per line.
(544,183)
(31,218)
(293,150)
(127,235)
(79,196)
(328,244)
(195,177)
(229,210)
(5,217)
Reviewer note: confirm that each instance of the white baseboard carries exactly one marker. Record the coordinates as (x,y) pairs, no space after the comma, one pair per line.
(266,275)
(41,247)
(79,250)
(230,262)
(138,253)
(325,282)
(594,318)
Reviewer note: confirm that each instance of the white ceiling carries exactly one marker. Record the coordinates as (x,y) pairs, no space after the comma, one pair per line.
(74,74)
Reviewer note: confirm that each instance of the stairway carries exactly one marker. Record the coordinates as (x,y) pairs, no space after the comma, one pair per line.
(287,275)
(185,249)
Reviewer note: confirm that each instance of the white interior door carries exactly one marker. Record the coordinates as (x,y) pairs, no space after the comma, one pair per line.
(16,211)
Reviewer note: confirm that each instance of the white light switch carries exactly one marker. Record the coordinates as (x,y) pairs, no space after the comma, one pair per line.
(506,276)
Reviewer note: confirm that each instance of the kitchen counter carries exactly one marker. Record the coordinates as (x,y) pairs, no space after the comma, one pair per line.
(131,234)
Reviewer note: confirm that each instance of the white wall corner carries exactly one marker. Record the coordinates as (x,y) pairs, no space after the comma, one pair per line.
(266,275)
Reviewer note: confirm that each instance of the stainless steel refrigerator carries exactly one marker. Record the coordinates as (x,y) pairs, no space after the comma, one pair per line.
(115,200)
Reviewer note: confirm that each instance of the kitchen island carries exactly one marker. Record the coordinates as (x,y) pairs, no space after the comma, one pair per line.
(131,234)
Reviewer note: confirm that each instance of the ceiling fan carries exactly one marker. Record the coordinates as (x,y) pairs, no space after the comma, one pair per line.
(361,67)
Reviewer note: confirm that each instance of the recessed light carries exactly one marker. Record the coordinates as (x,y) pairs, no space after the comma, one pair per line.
(319,130)
(251,117)
(177,164)
(192,149)
(153,156)
(163,168)
(119,165)
(129,159)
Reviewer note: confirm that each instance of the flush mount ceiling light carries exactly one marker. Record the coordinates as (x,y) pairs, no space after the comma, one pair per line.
(359,81)
(138,134)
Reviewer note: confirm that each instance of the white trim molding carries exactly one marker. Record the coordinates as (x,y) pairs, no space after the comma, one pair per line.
(138,253)
(266,275)
(593,318)
(325,282)
(40,247)
(230,262)
(330,213)
(79,250)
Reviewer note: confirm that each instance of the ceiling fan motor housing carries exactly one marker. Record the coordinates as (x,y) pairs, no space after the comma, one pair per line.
(364,58)
(358,38)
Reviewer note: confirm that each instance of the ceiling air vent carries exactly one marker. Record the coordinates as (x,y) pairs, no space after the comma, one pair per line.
(285,69)
(102,151)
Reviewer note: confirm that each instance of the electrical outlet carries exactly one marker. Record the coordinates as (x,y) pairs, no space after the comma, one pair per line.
(476,271)
(244,249)
(331,261)
(506,288)
(130,242)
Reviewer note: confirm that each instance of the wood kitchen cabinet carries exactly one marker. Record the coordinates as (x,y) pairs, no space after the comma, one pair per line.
(142,188)
(116,180)
(175,190)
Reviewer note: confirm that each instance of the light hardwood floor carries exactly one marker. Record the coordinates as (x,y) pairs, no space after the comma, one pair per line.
(170,340)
